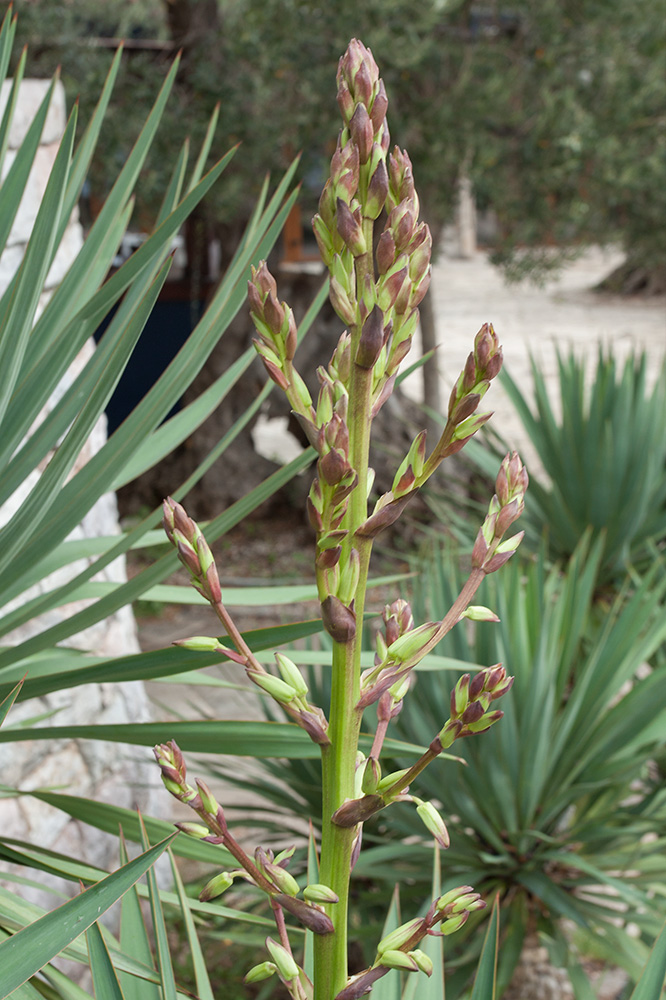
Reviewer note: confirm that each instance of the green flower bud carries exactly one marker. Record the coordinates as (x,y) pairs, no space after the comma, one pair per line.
(372,773)
(398,960)
(423,961)
(286,966)
(400,936)
(260,972)
(291,675)
(477,613)
(317,893)
(278,689)
(216,886)
(454,924)
(196,830)
(201,644)
(434,823)
(386,783)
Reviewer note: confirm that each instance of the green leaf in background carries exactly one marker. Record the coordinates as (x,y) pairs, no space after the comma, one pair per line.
(9,700)
(389,987)
(418,986)
(27,951)
(652,982)
(134,941)
(105,980)
(204,989)
(162,952)
(486,973)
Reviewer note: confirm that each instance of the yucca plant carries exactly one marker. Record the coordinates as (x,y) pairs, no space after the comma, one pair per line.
(602,446)
(561,811)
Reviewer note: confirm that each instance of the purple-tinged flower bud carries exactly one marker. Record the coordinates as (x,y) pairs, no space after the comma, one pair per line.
(402,223)
(208,800)
(460,697)
(273,370)
(323,238)
(310,916)
(392,286)
(379,107)
(477,684)
(333,466)
(450,733)
(386,252)
(401,179)
(383,517)
(359,70)
(377,191)
(345,169)
(338,620)
(350,229)
(327,202)
(355,811)
(346,102)
(472,713)
(418,292)
(445,902)
(484,723)
(419,257)
(362,133)
(371,340)
(341,302)
(487,353)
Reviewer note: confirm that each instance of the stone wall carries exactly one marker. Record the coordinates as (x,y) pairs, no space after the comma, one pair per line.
(93,769)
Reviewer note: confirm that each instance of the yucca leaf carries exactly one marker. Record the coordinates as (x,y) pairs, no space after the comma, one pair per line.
(239,738)
(485,980)
(163,954)
(105,980)
(27,951)
(17,314)
(134,941)
(651,984)
(204,989)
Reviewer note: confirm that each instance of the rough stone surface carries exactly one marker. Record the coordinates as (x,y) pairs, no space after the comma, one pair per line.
(86,769)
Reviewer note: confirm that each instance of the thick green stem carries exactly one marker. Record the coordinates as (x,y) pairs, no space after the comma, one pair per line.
(339,759)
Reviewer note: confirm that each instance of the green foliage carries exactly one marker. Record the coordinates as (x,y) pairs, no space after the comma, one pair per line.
(604,459)
(557,809)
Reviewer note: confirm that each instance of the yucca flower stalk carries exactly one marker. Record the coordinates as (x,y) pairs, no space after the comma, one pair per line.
(376,284)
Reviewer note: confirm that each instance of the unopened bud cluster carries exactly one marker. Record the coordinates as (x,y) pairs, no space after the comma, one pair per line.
(399,949)
(193,550)
(471,701)
(506,506)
